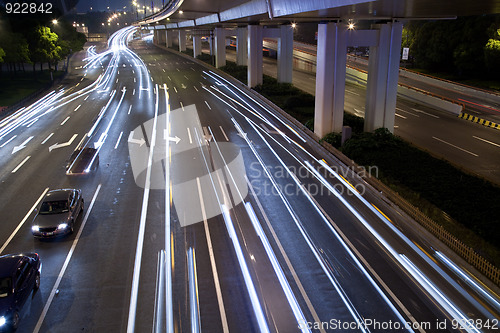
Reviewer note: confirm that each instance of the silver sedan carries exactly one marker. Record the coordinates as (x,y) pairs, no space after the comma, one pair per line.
(57,214)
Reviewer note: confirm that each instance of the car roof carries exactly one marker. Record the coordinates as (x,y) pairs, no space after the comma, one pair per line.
(9,263)
(61,194)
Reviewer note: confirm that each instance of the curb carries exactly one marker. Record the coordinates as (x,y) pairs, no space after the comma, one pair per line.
(479,121)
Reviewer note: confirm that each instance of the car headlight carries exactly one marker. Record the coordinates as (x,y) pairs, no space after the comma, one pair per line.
(2,321)
(35,228)
(62,226)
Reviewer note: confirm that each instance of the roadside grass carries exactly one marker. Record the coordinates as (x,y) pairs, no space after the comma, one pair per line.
(23,84)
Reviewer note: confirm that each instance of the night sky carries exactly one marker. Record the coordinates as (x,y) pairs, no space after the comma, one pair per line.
(101,5)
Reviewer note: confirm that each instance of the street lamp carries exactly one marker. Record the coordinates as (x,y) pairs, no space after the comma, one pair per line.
(54,21)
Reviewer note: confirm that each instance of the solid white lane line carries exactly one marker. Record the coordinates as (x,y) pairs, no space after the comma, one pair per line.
(118,141)
(21,164)
(65,120)
(47,139)
(280,274)
(66,263)
(23,220)
(6,142)
(428,114)
(450,144)
(32,122)
(487,141)
(142,228)
(194,304)
(168,234)
(223,132)
(252,292)
(218,291)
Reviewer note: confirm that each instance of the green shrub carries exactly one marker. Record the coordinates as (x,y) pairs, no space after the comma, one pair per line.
(310,124)
(335,139)
(355,122)
(469,200)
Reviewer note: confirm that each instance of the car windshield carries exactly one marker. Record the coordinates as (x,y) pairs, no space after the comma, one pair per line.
(54,207)
(5,287)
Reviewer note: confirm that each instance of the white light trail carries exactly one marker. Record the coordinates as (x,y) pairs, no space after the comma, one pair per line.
(142,228)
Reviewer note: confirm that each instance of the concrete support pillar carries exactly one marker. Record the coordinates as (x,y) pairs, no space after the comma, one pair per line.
(241,46)
(182,40)
(169,36)
(285,54)
(254,55)
(155,36)
(161,37)
(220,47)
(330,78)
(196,46)
(382,82)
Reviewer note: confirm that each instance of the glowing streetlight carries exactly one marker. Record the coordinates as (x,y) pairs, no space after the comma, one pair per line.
(54,21)
(351,26)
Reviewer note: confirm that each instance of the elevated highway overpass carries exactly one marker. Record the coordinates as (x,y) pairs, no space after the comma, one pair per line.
(252,21)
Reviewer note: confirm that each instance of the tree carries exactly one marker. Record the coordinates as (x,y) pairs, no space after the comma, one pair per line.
(43,46)
(460,46)
(492,55)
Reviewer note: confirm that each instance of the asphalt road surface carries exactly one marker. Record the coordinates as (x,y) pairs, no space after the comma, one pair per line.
(470,146)
(211,212)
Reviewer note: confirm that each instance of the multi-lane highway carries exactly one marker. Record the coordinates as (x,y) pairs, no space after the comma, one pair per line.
(211,212)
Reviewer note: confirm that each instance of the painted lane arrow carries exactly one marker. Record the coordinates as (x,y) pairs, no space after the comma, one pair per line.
(98,144)
(132,140)
(22,145)
(175,139)
(65,144)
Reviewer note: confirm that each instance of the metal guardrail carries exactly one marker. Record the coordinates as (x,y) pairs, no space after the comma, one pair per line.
(432,94)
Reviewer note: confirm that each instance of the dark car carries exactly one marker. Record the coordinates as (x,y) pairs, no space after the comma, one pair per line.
(19,276)
(82,161)
(57,213)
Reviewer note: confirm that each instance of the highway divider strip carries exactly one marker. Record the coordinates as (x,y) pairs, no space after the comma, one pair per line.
(479,121)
